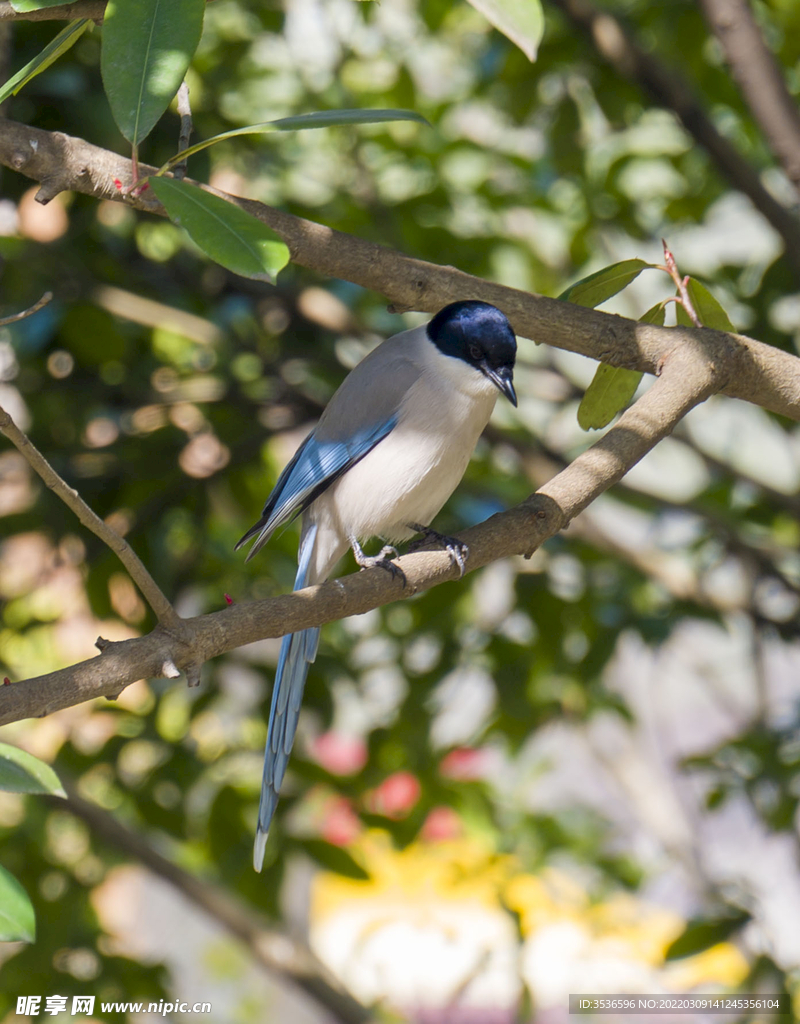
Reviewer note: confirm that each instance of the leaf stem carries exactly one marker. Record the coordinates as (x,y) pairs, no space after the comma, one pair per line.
(681,284)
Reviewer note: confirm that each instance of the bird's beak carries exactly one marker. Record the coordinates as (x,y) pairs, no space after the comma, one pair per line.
(503,380)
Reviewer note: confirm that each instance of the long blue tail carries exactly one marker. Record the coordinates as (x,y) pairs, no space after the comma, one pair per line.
(298,650)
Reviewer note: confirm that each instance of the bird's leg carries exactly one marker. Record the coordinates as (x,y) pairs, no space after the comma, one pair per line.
(456,549)
(381,560)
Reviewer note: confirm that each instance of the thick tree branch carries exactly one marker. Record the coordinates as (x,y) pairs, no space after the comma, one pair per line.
(669,89)
(752,371)
(151,591)
(760,79)
(274,950)
(689,376)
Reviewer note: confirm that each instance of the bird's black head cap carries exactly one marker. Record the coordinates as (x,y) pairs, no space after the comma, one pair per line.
(481,335)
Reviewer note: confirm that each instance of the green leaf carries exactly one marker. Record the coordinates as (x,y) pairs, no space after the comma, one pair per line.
(17,917)
(655,315)
(596,288)
(21,772)
(521,21)
(708,308)
(702,934)
(226,234)
(613,387)
(317,119)
(66,38)
(334,858)
(147,47)
(23,6)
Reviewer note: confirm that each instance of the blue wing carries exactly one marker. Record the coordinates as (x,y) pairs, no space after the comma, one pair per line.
(298,650)
(315,466)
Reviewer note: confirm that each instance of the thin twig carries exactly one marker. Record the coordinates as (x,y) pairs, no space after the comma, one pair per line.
(272,949)
(760,675)
(164,612)
(185,111)
(40,304)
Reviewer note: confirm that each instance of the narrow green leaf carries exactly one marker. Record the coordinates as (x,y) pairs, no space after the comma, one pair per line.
(521,21)
(708,308)
(66,38)
(317,119)
(227,234)
(596,288)
(613,387)
(17,917)
(23,6)
(21,772)
(701,934)
(147,47)
(334,858)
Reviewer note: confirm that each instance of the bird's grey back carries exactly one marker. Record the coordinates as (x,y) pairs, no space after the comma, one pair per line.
(375,389)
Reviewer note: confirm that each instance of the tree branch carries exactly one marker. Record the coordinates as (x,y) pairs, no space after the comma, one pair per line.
(689,376)
(666,86)
(274,950)
(759,78)
(16,317)
(165,613)
(753,371)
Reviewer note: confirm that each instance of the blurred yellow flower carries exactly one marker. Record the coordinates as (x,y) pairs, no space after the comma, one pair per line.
(431,928)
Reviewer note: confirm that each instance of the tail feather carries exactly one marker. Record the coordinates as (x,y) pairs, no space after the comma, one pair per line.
(298,650)
(264,528)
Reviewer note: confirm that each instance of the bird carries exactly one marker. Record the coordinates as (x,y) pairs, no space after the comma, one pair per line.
(388,451)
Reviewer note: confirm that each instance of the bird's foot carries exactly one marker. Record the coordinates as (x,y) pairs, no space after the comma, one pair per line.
(456,549)
(381,561)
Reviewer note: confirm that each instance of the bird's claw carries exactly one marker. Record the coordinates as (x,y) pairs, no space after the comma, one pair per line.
(383,560)
(456,549)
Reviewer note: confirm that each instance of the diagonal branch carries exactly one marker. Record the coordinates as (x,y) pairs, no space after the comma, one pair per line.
(689,376)
(759,78)
(668,88)
(274,950)
(753,371)
(16,317)
(165,613)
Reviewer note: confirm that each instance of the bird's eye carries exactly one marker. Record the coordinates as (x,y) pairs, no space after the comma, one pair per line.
(475,352)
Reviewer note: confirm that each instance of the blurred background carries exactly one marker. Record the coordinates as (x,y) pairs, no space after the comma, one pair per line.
(577,773)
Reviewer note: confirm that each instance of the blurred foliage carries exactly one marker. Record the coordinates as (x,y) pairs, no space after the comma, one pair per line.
(170,393)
